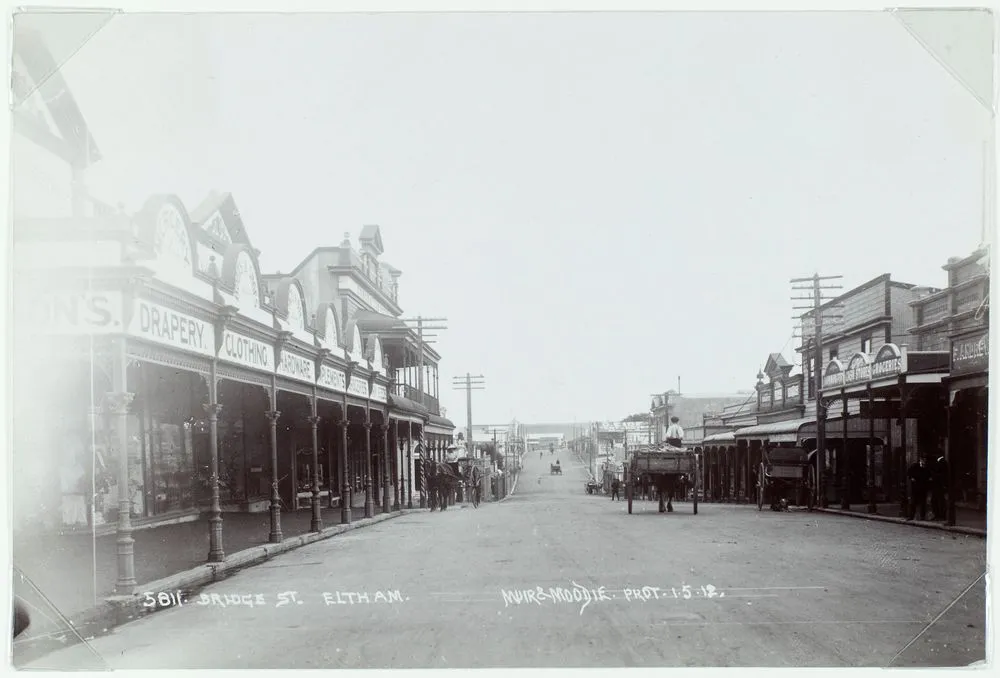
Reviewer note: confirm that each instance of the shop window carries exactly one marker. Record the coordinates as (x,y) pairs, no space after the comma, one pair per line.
(866,344)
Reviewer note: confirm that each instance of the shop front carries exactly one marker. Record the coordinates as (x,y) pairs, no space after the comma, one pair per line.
(968,419)
(882,412)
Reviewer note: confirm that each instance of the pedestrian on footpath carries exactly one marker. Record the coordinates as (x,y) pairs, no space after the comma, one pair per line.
(614,490)
(918,476)
(939,487)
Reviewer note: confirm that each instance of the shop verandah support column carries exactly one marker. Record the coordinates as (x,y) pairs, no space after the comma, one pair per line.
(118,404)
(872,506)
(369,501)
(409,468)
(216,554)
(316,523)
(845,473)
(274,536)
(904,499)
(345,490)
(386,488)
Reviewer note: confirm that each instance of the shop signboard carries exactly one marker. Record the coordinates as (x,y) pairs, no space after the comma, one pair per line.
(358,387)
(833,375)
(166,326)
(889,362)
(332,378)
(777,397)
(295,366)
(793,392)
(69,313)
(246,351)
(765,398)
(859,370)
(379,393)
(971,354)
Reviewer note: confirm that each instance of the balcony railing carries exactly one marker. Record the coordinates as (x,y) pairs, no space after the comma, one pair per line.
(414,394)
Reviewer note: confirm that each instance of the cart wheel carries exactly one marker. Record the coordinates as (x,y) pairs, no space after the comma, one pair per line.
(760,488)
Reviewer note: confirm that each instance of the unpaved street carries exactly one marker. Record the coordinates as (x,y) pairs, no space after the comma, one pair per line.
(728,587)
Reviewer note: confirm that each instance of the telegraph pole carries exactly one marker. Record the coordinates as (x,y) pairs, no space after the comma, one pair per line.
(422,327)
(815,289)
(469,383)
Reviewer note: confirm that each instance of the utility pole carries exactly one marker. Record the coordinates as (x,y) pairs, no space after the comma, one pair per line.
(815,289)
(422,328)
(469,383)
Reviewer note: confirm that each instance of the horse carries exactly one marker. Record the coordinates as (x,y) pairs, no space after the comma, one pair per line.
(666,487)
(442,481)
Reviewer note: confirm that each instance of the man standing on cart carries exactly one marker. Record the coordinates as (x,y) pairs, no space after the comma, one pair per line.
(675,434)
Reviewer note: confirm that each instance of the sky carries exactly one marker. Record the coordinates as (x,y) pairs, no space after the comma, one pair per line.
(598,203)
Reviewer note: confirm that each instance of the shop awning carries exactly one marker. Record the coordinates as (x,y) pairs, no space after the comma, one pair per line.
(407,406)
(727,437)
(440,421)
(371,321)
(776,431)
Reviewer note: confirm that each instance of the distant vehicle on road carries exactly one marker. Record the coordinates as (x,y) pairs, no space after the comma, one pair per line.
(555,469)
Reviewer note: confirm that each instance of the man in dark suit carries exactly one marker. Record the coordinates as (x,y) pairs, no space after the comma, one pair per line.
(918,477)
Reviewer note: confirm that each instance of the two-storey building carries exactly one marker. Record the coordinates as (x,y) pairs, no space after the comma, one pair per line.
(365,290)
(880,400)
(956,320)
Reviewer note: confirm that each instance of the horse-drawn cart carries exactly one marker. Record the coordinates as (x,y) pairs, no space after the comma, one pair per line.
(555,469)
(784,469)
(594,487)
(665,467)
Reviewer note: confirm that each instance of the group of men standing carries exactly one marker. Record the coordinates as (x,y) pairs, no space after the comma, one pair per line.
(926,479)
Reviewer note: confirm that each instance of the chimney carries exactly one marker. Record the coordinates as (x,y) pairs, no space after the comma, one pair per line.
(346,242)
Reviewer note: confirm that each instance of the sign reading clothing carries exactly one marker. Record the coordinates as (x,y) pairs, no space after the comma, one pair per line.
(165,326)
(297,367)
(970,354)
(245,351)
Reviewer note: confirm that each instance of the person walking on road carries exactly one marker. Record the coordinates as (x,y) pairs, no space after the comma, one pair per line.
(675,434)
(614,490)
(918,478)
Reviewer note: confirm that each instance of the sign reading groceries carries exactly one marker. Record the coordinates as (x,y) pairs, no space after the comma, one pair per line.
(163,325)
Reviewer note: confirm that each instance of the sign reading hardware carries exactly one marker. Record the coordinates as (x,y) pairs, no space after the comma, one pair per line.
(297,367)
(335,380)
(833,376)
(165,326)
(245,351)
